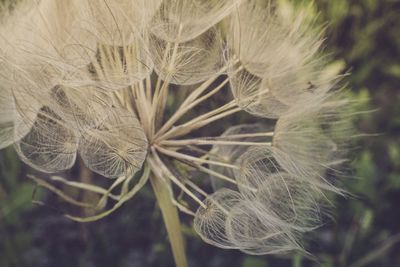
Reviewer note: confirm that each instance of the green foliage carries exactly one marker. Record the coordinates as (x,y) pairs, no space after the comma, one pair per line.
(254,262)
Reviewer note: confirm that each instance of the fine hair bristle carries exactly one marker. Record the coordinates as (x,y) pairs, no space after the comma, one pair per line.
(132,89)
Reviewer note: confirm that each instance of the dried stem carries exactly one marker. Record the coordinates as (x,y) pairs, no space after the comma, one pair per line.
(201,121)
(200,142)
(171,220)
(178,155)
(158,163)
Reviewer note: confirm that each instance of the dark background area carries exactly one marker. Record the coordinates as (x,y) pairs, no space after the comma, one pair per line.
(364,229)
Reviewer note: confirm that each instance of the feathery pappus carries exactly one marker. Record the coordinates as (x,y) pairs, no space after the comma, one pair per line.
(231,103)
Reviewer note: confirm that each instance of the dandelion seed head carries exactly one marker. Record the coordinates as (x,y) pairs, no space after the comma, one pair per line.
(133,89)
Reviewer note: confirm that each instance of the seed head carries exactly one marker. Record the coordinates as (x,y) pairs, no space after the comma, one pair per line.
(144,89)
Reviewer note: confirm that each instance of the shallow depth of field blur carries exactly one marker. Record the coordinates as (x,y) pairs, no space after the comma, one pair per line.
(364,230)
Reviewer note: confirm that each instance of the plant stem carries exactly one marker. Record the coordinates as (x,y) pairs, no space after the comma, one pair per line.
(205,119)
(194,159)
(171,177)
(171,220)
(199,142)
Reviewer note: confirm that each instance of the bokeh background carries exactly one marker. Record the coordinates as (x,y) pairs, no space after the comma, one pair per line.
(363,35)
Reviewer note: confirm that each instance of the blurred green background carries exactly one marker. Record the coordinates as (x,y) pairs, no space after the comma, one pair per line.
(364,229)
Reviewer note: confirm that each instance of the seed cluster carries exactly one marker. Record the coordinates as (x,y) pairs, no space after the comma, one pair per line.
(118,83)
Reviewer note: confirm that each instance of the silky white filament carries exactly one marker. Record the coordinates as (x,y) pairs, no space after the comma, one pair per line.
(139,89)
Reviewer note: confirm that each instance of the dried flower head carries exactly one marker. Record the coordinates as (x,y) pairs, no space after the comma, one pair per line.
(137,91)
